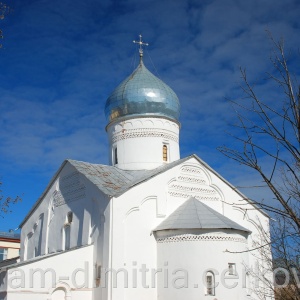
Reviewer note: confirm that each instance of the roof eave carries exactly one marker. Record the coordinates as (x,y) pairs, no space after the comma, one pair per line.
(231,185)
(210,228)
(36,204)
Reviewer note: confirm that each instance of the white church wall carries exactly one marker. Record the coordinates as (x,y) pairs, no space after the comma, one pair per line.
(69,274)
(139,248)
(138,211)
(120,229)
(233,204)
(132,139)
(187,256)
(190,180)
(90,222)
(238,209)
(71,193)
(134,215)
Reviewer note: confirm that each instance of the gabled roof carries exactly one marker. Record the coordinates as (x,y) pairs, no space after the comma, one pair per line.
(193,214)
(113,181)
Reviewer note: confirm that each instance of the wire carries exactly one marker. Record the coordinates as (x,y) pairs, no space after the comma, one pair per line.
(152,63)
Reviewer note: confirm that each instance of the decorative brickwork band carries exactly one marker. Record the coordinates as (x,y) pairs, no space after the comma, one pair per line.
(70,190)
(139,133)
(192,181)
(200,237)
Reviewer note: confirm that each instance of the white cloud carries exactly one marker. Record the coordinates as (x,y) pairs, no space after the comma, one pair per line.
(63,58)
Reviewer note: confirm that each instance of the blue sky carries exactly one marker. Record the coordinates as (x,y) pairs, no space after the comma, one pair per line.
(61,60)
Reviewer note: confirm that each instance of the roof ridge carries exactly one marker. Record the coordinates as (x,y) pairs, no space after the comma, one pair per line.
(194,203)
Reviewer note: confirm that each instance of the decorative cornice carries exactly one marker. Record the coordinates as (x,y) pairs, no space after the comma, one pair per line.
(132,117)
(143,132)
(199,238)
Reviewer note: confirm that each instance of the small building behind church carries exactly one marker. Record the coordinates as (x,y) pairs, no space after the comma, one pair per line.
(149,225)
(9,245)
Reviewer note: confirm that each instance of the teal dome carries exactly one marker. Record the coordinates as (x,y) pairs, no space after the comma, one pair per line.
(142,94)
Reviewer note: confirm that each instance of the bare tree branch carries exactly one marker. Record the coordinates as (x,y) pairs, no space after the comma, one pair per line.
(269,138)
(7,202)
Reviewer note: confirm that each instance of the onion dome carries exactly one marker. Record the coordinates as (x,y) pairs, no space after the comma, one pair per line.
(142,95)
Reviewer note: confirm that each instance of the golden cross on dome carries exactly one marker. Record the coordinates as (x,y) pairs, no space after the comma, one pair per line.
(141,43)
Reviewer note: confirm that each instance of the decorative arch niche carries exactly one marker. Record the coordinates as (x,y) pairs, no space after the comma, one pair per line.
(62,291)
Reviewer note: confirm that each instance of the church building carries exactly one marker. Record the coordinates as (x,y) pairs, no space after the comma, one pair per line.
(150,225)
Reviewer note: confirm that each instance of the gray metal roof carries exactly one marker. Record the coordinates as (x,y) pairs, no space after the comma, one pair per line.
(9,235)
(113,181)
(194,214)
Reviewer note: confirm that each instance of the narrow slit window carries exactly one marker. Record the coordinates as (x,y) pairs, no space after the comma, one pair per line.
(231,268)
(69,217)
(67,236)
(165,153)
(248,284)
(116,156)
(29,253)
(210,284)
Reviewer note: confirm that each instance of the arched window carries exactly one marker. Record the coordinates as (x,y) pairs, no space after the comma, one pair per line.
(58,294)
(210,283)
(69,217)
(165,153)
(67,236)
(67,231)
(29,246)
(116,156)
(61,291)
(248,283)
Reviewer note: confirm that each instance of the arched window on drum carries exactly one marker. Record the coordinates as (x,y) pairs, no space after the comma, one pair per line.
(210,283)
(165,153)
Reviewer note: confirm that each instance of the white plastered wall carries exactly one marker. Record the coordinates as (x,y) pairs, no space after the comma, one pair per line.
(139,143)
(138,211)
(69,274)
(69,192)
(90,224)
(188,255)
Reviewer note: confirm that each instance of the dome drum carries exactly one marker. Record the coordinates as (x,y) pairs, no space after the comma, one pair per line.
(130,140)
(140,112)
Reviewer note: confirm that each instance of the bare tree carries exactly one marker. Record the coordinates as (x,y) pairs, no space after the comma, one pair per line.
(268,136)
(6,202)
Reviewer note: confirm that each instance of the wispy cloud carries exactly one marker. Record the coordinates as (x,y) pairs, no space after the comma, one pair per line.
(63,58)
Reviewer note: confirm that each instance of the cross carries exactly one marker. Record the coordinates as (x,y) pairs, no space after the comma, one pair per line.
(141,43)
